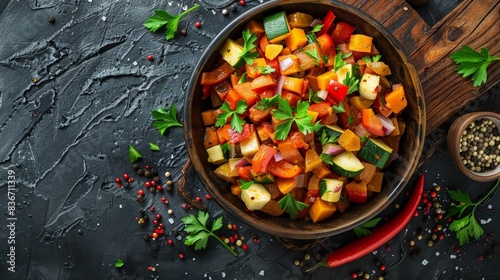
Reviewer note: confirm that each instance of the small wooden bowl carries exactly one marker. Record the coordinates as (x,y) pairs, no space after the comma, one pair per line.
(454,136)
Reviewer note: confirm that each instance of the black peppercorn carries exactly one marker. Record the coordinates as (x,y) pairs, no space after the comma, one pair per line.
(147,237)
(135,166)
(52,19)
(140,172)
(147,173)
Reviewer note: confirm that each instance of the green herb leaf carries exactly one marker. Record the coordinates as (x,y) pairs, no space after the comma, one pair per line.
(364,138)
(339,109)
(339,61)
(363,229)
(153,146)
(350,119)
(243,78)
(198,232)
(351,82)
(163,120)
(328,159)
(317,28)
(290,205)
(470,62)
(314,54)
(267,102)
(133,154)
(119,263)
(236,121)
(313,97)
(466,227)
(248,44)
(311,38)
(267,70)
(164,19)
(285,113)
(325,138)
(374,58)
(245,184)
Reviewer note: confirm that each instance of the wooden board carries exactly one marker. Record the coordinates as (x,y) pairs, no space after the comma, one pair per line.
(473,23)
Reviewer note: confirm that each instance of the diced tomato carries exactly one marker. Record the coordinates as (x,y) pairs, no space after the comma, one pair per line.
(261,159)
(206,91)
(246,132)
(245,92)
(371,122)
(218,75)
(222,89)
(337,91)
(327,23)
(309,198)
(275,64)
(256,115)
(291,97)
(232,99)
(283,168)
(323,108)
(342,32)
(298,139)
(223,133)
(244,172)
(326,44)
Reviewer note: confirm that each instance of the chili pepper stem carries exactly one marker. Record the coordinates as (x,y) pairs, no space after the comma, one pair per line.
(320,264)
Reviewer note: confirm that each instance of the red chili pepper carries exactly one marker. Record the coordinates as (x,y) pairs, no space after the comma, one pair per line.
(379,235)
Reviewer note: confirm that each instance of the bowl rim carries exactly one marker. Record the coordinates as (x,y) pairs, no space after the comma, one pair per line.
(454,134)
(295,233)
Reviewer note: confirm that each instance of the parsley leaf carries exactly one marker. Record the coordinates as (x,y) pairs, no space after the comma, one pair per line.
(290,115)
(339,109)
(133,154)
(267,70)
(350,119)
(119,263)
(363,229)
(339,61)
(248,44)
(364,138)
(473,63)
(326,158)
(374,58)
(243,78)
(325,138)
(311,38)
(313,97)
(171,22)
(314,54)
(267,102)
(198,232)
(292,206)
(245,184)
(466,227)
(236,121)
(317,28)
(351,82)
(164,120)
(153,146)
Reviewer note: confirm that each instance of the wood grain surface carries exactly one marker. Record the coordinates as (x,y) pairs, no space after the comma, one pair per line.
(473,23)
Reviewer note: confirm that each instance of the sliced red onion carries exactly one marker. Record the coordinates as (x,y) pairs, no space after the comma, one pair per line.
(361,131)
(387,124)
(278,156)
(286,63)
(242,162)
(315,22)
(322,94)
(279,84)
(332,149)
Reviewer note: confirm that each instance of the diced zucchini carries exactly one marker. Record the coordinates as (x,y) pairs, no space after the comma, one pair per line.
(331,133)
(348,68)
(330,189)
(231,52)
(266,178)
(276,27)
(250,146)
(347,164)
(255,196)
(218,154)
(376,152)
(368,86)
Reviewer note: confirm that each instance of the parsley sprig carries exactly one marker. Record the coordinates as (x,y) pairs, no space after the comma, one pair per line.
(352,82)
(374,58)
(473,63)
(246,184)
(198,232)
(363,229)
(163,120)
(314,54)
(290,115)
(171,22)
(466,227)
(133,154)
(292,206)
(248,45)
(236,121)
(339,60)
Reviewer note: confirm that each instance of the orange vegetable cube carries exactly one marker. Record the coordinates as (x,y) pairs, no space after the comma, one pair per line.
(293,68)
(255,70)
(293,84)
(286,184)
(396,100)
(349,141)
(255,27)
(324,79)
(272,51)
(360,43)
(321,210)
(296,39)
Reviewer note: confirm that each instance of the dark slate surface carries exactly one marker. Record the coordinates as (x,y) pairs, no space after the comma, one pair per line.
(65,138)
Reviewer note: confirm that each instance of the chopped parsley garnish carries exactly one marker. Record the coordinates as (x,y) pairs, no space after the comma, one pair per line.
(248,44)
(290,205)
(133,154)
(314,54)
(236,121)
(171,22)
(473,63)
(163,120)
(290,115)
(363,229)
(267,70)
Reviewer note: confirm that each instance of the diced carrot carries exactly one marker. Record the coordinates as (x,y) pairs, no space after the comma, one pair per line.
(209,116)
(286,184)
(223,133)
(349,141)
(321,210)
(322,171)
(313,161)
(255,70)
(396,100)
(245,92)
(232,99)
(235,79)
(289,152)
(360,43)
(255,27)
(324,79)
(256,115)
(293,84)
(299,139)
(211,138)
(263,81)
(291,97)
(265,131)
(293,68)
(262,158)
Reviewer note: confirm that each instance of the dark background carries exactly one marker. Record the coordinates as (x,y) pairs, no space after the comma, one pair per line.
(66,137)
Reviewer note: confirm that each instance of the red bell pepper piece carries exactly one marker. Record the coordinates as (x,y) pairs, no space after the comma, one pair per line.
(323,108)
(342,32)
(218,75)
(222,89)
(283,168)
(371,122)
(357,192)
(309,200)
(261,159)
(244,172)
(206,91)
(327,23)
(246,132)
(336,90)
(326,44)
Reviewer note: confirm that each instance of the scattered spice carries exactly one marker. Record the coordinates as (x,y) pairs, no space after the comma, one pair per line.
(480,146)
(52,19)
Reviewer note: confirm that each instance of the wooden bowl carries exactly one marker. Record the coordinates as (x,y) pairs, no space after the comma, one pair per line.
(454,135)
(396,176)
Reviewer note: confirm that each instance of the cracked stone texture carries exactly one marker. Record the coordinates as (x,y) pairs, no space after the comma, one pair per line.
(75,94)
